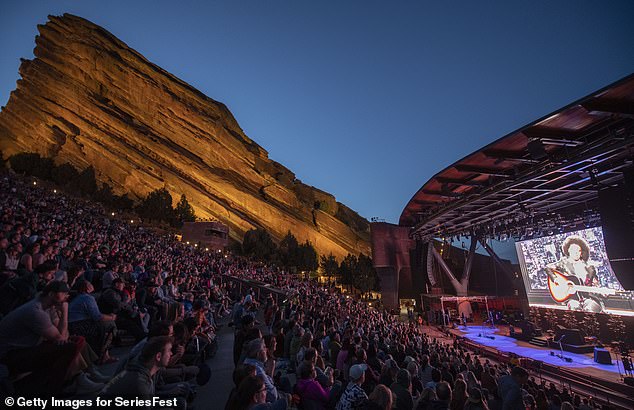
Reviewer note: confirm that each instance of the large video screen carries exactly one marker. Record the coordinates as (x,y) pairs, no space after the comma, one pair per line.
(571,271)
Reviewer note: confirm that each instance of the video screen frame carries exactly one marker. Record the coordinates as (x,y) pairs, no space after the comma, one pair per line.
(556,267)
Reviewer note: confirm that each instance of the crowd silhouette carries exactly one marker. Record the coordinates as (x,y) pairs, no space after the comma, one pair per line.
(76,280)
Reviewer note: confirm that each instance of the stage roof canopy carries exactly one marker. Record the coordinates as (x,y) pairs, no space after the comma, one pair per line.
(548,171)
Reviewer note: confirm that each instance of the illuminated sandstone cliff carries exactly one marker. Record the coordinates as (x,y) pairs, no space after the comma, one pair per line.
(89,99)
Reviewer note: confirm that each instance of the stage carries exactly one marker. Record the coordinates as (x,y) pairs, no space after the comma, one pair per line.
(581,363)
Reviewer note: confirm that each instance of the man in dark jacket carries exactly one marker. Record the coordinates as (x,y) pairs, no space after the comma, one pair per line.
(137,380)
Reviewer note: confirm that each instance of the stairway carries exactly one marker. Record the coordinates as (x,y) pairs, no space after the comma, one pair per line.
(538,341)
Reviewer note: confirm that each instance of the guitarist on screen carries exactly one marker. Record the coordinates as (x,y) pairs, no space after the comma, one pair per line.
(575,269)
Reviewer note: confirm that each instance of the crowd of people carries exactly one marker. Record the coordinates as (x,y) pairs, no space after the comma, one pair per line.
(75,280)
(344,354)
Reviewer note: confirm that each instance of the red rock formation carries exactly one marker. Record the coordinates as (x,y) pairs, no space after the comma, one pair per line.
(89,99)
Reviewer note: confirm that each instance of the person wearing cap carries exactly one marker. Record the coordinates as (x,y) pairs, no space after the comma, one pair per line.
(29,342)
(354,396)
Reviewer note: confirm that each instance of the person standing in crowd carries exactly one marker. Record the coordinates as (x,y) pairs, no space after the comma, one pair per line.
(510,388)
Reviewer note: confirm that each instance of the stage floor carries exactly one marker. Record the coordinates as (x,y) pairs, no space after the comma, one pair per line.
(580,362)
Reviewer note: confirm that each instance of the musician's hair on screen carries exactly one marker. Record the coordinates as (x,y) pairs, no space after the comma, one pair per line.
(576,240)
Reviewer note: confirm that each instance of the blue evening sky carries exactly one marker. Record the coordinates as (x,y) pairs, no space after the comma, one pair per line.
(364,99)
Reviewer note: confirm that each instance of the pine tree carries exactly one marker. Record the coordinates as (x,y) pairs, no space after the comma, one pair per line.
(347,268)
(86,182)
(365,277)
(287,251)
(330,266)
(308,259)
(184,211)
(258,244)
(64,174)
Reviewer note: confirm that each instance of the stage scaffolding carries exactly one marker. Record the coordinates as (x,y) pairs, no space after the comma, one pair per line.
(462,299)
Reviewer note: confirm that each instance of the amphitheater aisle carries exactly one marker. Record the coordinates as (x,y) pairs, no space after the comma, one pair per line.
(214,395)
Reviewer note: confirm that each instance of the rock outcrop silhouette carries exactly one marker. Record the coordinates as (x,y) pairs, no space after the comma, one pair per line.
(89,99)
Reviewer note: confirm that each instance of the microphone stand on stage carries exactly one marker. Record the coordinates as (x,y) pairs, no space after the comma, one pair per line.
(492,324)
(561,349)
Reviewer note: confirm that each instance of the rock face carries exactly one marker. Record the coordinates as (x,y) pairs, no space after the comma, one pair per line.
(89,99)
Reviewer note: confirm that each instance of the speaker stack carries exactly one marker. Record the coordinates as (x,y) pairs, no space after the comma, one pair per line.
(617,216)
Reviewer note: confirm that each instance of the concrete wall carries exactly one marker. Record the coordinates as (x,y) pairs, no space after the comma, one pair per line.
(391,257)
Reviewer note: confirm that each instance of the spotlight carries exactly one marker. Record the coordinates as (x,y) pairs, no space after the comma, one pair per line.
(112,214)
(131,221)
(34,183)
(55,191)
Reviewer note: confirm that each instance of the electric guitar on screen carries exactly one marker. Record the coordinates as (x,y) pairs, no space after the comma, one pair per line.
(563,287)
